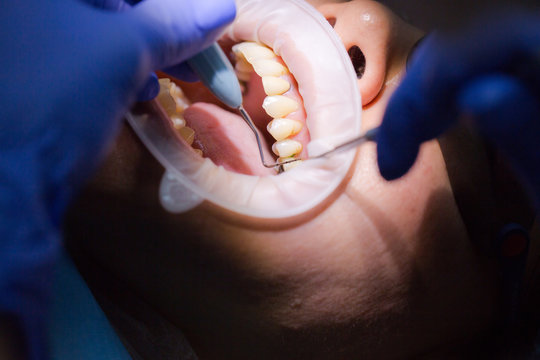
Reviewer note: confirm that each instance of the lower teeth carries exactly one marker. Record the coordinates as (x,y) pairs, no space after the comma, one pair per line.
(174,102)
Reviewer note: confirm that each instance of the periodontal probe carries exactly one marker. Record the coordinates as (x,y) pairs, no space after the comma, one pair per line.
(216,72)
(370,135)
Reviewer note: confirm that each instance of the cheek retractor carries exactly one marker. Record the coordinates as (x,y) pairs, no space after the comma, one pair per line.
(216,72)
(327,84)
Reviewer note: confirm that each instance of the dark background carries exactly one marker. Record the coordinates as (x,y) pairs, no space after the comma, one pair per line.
(427,14)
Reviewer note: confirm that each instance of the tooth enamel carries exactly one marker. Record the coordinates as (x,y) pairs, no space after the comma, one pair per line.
(178,122)
(188,134)
(252,51)
(265,67)
(278,106)
(274,85)
(287,148)
(175,91)
(243,66)
(243,76)
(167,102)
(290,165)
(282,128)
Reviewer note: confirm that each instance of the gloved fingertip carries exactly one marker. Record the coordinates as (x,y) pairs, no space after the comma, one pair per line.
(213,14)
(393,159)
(182,72)
(150,89)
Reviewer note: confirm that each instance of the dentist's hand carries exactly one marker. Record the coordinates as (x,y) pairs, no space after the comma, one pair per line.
(491,74)
(68,73)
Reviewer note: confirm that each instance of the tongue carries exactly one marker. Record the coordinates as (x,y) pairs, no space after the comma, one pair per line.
(226,139)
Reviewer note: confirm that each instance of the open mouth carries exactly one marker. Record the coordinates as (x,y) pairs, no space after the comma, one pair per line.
(271,97)
(299,88)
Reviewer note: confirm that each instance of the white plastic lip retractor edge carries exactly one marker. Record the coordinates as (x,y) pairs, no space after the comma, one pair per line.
(190,179)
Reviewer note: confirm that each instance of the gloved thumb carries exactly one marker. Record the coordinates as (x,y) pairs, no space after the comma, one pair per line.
(507,113)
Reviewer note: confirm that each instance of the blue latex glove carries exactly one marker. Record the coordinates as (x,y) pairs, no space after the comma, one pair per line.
(490,72)
(68,73)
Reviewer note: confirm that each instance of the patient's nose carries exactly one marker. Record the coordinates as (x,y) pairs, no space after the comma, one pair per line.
(373,36)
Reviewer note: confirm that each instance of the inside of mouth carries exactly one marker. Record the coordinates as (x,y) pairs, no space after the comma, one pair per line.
(271,98)
(229,174)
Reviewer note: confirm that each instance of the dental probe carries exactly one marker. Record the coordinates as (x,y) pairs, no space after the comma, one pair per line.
(370,135)
(216,72)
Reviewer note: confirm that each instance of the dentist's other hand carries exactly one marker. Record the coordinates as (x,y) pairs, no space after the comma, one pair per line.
(489,73)
(69,72)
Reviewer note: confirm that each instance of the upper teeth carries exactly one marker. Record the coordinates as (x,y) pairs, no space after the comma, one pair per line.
(275,86)
(282,128)
(252,51)
(287,148)
(267,65)
(278,106)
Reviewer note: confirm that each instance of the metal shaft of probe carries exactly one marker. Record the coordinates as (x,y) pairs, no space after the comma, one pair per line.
(369,135)
(250,123)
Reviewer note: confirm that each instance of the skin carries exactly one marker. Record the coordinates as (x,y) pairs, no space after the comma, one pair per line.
(381,270)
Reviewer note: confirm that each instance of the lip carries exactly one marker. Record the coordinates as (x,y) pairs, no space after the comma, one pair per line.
(333,114)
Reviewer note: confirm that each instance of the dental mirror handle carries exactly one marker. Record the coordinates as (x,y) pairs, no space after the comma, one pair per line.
(217,74)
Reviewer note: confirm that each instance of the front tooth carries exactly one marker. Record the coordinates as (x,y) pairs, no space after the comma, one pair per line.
(274,85)
(278,106)
(252,51)
(287,148)
(283,128)
(289,165)
(265,67)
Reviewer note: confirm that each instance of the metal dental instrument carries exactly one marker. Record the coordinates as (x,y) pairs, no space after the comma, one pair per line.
(370,135)
(217,74)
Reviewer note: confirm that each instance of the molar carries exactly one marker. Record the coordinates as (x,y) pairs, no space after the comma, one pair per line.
(287,148)
(278,106)
(275,86)
(282,128)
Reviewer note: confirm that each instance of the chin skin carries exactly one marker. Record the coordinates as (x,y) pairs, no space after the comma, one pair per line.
(380,270)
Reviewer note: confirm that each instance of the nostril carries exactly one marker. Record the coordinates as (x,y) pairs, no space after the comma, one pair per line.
(331,21)
(358,60)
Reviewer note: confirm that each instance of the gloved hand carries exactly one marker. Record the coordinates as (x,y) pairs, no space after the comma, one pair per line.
(69,72)
(490,72)
(151,88)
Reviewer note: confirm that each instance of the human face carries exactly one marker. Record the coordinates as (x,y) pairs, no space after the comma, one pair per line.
(378,270)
